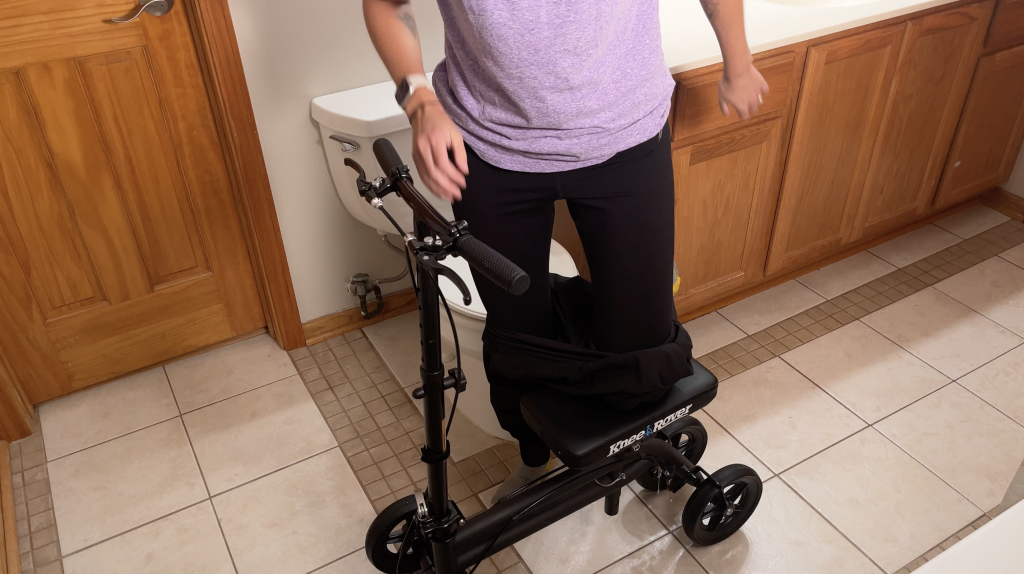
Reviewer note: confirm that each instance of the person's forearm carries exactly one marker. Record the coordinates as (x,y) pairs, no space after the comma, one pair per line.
(392,29)
(726,17)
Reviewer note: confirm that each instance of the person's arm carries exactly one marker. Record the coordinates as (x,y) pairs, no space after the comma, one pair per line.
(741,86)
(392,28)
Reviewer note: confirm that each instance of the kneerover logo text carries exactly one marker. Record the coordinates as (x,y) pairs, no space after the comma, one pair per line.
(649,431)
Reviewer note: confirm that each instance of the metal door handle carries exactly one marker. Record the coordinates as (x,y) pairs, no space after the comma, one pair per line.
(154,7)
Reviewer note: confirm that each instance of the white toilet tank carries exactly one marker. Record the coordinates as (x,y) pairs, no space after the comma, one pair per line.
(359,117)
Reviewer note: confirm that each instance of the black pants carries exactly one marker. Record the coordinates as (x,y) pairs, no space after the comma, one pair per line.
(624,212)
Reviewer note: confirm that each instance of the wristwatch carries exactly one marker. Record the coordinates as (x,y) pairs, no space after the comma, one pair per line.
(409,86)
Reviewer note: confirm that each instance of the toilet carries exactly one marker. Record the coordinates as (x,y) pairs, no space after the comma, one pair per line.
(349,123)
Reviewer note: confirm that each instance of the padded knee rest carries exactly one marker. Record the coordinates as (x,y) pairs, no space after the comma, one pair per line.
(583,431)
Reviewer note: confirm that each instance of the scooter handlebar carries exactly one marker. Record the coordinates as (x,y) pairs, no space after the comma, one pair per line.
(492,265)
(486,261)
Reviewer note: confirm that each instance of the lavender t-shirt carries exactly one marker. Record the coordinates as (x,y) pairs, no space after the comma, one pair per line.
(553,85)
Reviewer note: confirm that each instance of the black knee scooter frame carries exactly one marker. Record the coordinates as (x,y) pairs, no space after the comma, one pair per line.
(427,532)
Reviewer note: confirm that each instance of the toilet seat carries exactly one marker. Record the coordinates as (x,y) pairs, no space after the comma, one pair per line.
(560,263)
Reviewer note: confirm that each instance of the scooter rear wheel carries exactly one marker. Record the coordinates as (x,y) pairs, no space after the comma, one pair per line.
(715,512)
(388,532)
(690,438)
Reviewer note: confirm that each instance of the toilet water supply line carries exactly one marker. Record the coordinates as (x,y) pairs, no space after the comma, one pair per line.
(361,285)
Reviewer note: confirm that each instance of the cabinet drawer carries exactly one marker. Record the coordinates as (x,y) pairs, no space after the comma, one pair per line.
(696,105)
(1007,25)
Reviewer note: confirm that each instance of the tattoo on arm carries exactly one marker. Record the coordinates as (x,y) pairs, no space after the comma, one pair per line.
(710,7)
(405,15)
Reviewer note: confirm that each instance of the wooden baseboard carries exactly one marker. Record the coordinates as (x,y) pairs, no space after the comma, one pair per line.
(780,279)
(1004,202)
(342,322)
(10,556)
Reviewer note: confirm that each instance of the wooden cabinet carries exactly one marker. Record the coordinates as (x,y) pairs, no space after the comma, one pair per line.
(990,132)
(724,207)
(1007,25)
(932,79)
(843,96)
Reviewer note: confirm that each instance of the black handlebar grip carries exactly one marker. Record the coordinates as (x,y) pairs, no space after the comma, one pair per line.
(492,265)
(386,155)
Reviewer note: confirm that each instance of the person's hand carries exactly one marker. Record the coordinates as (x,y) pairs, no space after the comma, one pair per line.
(742,88)
(433,135)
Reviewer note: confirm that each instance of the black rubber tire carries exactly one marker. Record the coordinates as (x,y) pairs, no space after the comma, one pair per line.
(704,504)
(696,443)
(382,534)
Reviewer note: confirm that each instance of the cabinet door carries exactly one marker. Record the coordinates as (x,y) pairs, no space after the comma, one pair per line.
(1007,25)
(932,79)
(990,132)
(725,191)
(842,99)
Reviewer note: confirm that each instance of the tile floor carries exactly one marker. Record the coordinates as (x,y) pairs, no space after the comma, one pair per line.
(880,399)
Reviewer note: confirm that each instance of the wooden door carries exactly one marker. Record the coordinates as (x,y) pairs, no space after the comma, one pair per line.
(932,79)
(724,200)
(1007,25)
(842,99)
(120,239)
(991,130)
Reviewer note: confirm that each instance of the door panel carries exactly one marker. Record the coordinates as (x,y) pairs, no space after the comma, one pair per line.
(990,132)
(938,59)
(40,227)
(723,216)
(120,239)
(842,98)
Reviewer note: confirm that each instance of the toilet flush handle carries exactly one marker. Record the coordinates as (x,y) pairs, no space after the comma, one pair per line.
(347,145)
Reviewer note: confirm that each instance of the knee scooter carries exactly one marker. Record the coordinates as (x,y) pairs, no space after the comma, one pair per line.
(602,449)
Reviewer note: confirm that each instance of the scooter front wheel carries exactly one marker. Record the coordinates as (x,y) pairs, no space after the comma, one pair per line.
(393,528)
(719,507)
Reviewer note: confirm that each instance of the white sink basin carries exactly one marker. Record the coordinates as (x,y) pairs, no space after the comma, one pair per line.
(822,3)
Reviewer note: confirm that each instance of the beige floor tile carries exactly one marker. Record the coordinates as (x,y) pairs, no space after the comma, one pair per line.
(710,332)
(1014,255)
(296,519)
(969,444)
(887,503)
(355,563)
(846,274)
(187,541)
(596,539)
(868,373)
(398,342)
(203,379)
(1001,383)
(766,308)
(914,246)
(971,221)
(722,450)
(943,332)
(106,411)
(1014,494)
(118,485)
(779,415)
(784,536)
(994,288)
(256,433)
(665,556)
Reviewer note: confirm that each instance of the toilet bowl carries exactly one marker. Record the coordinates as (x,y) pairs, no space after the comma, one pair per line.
(349,123)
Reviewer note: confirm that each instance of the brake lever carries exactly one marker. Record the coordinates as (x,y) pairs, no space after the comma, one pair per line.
(431,261)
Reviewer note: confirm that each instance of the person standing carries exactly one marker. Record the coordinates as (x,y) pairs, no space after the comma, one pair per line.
(541,100)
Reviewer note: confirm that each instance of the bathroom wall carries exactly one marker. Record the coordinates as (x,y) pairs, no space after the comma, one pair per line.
(1016,183)
(292,52)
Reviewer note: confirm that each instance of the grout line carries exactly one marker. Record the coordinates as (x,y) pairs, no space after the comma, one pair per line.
(183,413)
(336,560)
(289,465)
(134,528)
(195,456)
(103,442)
(830,523)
